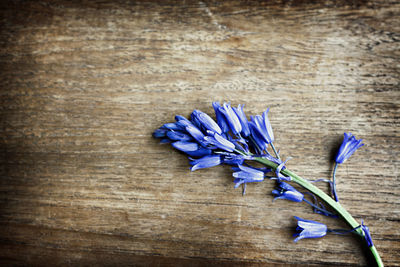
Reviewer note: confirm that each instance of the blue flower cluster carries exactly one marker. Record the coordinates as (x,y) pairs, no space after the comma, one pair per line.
(234,140)
(231,139)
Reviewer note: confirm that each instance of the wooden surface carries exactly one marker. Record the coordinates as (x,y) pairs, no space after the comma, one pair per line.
(83,85)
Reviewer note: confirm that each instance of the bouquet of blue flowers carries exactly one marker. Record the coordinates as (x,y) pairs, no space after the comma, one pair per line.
(234,140)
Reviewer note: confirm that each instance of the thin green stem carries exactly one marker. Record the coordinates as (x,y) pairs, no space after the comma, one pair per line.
(327,199)
(334,182)
(273,148)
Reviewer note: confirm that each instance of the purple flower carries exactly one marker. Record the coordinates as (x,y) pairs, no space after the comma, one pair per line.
(243,120)
(160,133)
(309,229)
(247,175)
(192,149)
(203,120)
(205,162)
(263,126)
(257,138)
(233,159)
(220,118)
(268,126)
(172,126)
(220,142)
(349,146)
(178,136)
(231,118)
(195,132)
(286,191)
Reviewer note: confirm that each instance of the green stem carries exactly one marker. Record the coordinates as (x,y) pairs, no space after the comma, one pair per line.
(273,148)
(327,199)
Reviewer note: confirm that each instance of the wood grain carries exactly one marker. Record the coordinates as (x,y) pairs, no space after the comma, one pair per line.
(84,84)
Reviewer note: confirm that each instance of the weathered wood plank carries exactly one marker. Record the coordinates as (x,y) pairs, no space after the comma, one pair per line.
(84,84)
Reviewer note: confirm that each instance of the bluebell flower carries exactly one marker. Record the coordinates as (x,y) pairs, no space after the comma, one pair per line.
(220,142)
(172,126)
(178,136)
(247,175)
(201,119)
(349,146)
(205,162)
(192,149)
(257,138)
(268,126)
(309,229)
(180,118)
(160,133)
(263,127)
(243,120)
(220,118)
(231,118)
(286,191)
(195,132)
(233,159)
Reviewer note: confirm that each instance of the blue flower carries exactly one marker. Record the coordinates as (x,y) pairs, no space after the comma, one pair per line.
(263,126)
(220,142)
(286,191)
(309,229)
(349,146)
(220,118)
(195,132)
(172,126)
(233,159)
(243,120)
(231,118)
(268,126)
(257,138)
(178,136)
(160,133)
(247,175)
(192,149)
(205,162)
(201,119)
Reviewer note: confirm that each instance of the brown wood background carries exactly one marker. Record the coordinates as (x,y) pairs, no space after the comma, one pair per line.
(84,84)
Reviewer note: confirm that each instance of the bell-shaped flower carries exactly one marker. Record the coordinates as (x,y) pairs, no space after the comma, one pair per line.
(231,118)
(201,119)
(192,149)
(243,120)
(268,126)
(263,126)
(286,191)
(349,146)
(233,159)
(178,136)
(247,175)
(257,138)
(205,162)
(220,118)
(160,133)
(195,132)
(309,229)
(173,126)
(220,142)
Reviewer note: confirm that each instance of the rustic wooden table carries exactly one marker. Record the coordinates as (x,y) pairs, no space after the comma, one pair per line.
(83,85)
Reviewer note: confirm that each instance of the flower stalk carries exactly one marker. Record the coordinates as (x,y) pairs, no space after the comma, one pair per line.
(235,141)
(336,206)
